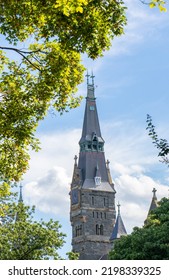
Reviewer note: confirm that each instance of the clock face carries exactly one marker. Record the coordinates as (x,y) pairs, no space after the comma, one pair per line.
(75,196)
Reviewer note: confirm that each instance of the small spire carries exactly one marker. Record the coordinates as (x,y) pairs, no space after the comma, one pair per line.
(20,194)
(119,228)
(20,201)
(154,203)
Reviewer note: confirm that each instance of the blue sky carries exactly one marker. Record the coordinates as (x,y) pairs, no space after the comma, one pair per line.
(131,80)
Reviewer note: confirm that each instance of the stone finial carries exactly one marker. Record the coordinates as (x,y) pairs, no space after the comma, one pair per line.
(118,205)
(75,158)
(107,164)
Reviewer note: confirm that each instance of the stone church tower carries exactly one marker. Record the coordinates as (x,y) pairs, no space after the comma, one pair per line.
(92,210)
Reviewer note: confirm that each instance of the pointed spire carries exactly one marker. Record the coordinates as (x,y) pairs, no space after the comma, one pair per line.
(154,203)
(91,122)
(91,158)
(119,228)
(76,173)
(20,194)
(20,203)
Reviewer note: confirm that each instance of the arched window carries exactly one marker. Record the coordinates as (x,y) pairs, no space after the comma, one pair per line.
(95,142)
(99,229)
(78,230)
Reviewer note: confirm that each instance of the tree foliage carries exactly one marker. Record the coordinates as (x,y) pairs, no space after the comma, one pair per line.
(161,144)
(4,191)
(48,71)
(156,3)
(23,238)
(151,242)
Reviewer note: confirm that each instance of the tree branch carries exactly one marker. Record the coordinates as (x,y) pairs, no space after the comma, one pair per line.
(145,3)
(161,144)
(22,53)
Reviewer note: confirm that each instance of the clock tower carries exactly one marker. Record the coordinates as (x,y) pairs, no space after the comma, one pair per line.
(92,195)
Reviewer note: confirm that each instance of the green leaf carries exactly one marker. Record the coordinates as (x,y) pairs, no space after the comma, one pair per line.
(162,8)
(152,5)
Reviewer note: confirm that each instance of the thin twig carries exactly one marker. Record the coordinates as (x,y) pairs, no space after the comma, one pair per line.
(145,3)
(20,52)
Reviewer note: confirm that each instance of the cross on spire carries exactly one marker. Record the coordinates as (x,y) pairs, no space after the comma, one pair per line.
(92,76)
(154,192)
(87,75)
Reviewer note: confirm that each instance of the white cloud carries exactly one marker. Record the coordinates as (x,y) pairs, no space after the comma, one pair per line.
(50,193)
(47,183)
(134,191)
(57,149)
(128,144)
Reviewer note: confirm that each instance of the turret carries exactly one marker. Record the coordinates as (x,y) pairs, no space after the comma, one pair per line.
(119,228)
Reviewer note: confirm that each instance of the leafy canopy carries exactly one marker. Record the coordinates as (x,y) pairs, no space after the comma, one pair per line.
(151,242)
(23,238)
(55,33)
